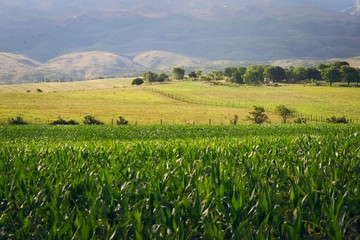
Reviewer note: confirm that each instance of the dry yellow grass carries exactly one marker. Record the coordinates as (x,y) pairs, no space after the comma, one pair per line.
(111,98)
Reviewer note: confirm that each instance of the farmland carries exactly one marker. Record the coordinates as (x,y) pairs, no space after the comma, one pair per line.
(195,176)
(180,182)
(175,103)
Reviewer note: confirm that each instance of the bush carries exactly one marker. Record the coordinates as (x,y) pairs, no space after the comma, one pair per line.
(137,81)
(300,121)
(334,119)
(235,119)
(17,121)
(61,121)
(91,120)
(122,121)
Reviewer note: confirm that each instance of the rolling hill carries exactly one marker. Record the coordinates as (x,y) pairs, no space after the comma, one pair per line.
(10,63)
(246,30)
(99,64)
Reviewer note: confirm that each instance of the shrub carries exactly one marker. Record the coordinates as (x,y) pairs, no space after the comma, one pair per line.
(122,121)
(39,90)
(300,121)
(91,120)
(235,119)
(334,119)
(61,121)
(17,121)
(137,81)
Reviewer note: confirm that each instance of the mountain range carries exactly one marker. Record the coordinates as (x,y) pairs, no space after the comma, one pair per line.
(75,66)
(194,30)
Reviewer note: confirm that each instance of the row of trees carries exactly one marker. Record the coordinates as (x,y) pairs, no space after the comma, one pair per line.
(339,71)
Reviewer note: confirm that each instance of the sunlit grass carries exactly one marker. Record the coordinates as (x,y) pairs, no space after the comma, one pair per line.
(135,104)
(319,100)
(192,102)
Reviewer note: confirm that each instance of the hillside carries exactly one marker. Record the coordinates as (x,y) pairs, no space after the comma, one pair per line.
(99,64)
(246,30)
(161,60)
(10,62)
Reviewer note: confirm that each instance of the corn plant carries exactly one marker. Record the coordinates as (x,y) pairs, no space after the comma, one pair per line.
(180,182)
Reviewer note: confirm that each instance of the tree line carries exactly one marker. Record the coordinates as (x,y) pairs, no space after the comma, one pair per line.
(339,71)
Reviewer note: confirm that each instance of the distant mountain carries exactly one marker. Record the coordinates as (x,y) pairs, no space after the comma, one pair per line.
(72,67)
(86,65)
(10,63)
(160,60)
(242,30)
(99,64)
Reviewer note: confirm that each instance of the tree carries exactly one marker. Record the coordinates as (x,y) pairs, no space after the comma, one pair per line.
(284,112)
(178,73)
(162,77)
(254,74)
(322,66)
(230,71)
(258,116)
(150,77)
(235,74)
(137,81)
(217,75)
(193,75)
(349,74)
(198,73)
(312,73)
(339,64)
(299,74)
(331,75)
(274,73)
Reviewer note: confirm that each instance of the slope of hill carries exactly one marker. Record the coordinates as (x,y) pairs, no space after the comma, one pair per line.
(98,64)
(10,62)
(161,60)
(86,65)
(73,66)
(216,29)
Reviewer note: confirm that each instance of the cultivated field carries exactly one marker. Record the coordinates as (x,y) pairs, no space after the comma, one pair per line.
(180,182)
(175,103)
(184,179)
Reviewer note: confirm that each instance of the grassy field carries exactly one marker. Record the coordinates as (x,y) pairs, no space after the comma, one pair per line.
(180,182)
(175,103)
(315,100)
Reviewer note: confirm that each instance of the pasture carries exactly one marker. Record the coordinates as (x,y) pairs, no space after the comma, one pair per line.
(174,103)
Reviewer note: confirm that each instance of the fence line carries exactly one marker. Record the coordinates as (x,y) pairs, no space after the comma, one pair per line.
(232,104)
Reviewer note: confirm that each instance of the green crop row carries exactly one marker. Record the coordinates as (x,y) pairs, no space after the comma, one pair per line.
(179,182)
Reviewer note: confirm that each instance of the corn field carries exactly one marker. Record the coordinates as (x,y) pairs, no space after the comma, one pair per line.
(180,182)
